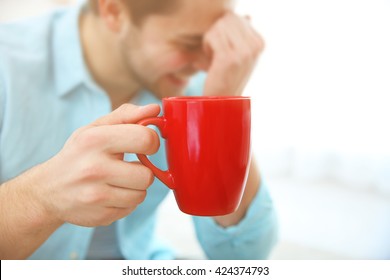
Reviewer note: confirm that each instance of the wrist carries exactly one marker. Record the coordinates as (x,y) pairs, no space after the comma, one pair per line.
(251,189)
(239,214)
(24,221)
(30,189)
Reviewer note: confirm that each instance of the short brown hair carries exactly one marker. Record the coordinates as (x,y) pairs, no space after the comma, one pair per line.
(140,9)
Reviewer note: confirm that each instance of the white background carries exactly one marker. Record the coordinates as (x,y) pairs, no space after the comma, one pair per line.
(320,122)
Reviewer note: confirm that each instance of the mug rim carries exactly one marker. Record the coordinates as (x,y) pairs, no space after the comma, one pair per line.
(205,98)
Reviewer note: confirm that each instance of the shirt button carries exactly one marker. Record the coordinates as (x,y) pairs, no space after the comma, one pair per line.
(74,256)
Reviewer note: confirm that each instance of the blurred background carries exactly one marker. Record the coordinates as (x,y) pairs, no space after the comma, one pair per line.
(321,125)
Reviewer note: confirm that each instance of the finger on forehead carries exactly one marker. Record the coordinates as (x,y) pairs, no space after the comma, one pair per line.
(241,32)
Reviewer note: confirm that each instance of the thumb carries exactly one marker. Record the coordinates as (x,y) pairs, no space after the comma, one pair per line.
(128,114)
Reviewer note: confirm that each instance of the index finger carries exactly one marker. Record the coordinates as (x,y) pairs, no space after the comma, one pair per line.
(128,138)
(128,114)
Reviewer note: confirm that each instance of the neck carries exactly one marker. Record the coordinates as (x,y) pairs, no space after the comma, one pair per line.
(104,60)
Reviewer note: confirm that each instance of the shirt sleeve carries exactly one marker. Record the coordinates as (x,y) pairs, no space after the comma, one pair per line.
(253,238)
(2,99)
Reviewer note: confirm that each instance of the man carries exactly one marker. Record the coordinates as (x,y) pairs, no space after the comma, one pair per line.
(62,170)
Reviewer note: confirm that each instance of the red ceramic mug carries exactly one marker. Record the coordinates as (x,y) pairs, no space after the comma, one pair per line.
(208,152)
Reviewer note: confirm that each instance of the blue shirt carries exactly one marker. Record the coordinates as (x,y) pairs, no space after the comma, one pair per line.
(46,93)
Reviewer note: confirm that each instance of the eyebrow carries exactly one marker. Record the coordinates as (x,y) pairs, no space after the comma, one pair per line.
(193,38)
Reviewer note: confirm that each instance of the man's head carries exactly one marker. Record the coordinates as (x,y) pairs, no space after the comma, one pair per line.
(139,10)
(160,42)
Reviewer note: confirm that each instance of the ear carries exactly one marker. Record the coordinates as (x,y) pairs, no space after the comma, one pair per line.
(113,13)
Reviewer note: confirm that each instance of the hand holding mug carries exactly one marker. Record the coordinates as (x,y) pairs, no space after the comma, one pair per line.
(208,152)
(87,183)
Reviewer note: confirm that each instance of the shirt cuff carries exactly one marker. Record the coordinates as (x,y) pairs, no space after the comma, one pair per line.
(253,238)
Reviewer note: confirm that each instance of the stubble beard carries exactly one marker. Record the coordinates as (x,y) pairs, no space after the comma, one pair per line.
(148,83)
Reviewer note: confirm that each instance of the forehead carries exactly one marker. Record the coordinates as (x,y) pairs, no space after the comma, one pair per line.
(193,17)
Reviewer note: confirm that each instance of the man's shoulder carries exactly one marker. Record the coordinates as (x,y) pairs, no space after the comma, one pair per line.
(24,35)
(26,40)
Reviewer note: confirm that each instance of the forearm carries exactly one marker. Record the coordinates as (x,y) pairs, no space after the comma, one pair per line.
(251,188)
(24,222)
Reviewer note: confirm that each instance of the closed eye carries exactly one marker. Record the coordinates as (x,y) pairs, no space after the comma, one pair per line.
(189,42)
(191,47)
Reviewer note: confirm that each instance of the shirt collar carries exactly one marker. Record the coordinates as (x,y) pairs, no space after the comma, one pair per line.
(69,67)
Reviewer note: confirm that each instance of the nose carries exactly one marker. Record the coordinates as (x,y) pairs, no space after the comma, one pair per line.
(201,60)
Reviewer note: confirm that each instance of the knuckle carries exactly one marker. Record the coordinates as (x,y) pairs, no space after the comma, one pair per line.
(106,223)
(147,176)
(89,138)
(76,134)
(234,61)
(224,20)
(107,217)
(219,26)
(150,177)
(248,55)
(124,212)
(100,221)
(257,49)
(140,197)
(260,45)
(150,141)
(208,36)
(91,196)
(112,214)
(93,173)
(125,108)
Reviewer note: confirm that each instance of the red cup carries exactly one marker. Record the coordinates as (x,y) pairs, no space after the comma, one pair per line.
(208,152)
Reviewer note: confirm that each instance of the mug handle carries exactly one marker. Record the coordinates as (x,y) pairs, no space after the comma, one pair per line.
(165,176)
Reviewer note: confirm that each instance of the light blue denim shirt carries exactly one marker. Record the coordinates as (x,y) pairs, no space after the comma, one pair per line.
(46,93)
